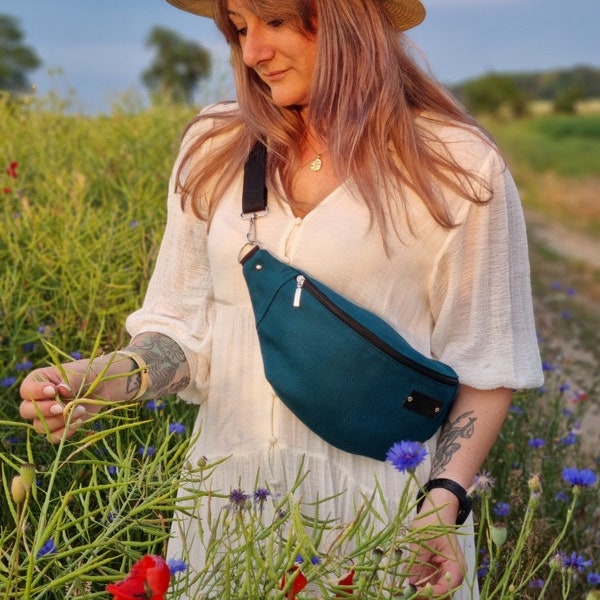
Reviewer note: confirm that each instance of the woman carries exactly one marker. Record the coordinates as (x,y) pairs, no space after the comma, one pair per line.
(381,187)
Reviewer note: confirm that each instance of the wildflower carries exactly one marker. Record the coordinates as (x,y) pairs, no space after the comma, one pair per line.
(569,439)
(536,584)
(237,499)
(112,470)
(76,355)
(28,347)
(11,170)
(24,365)
(484,567)
(517,410)
(564,387)
(575,477)
(298,584)
(315,560)
(17,490)
(155,405)
(483,483)
(49,547)
(548,367)
(261,495)
(146,451)
(177,565)
(593,578)
(148,579)
(406,456)
(176,428)
(502,509)
(345,584)
(537,443)
(562,497)
(8,381)
(574,562)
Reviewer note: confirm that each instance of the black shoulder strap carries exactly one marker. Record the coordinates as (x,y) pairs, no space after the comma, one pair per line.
(254,195)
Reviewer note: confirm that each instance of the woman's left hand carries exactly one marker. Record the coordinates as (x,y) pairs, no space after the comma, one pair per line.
(439,563)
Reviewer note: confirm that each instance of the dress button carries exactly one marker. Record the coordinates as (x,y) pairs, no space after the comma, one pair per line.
(273,440)
(298,220)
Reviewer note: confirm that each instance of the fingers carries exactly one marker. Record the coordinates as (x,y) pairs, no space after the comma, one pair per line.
(56,428)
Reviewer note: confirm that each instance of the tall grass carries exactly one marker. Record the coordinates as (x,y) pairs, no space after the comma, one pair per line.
(82,216)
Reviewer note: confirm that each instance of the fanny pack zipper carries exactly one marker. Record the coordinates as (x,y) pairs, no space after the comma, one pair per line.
(303,283)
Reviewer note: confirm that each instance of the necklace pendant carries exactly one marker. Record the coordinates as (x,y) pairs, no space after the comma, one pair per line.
(316,164)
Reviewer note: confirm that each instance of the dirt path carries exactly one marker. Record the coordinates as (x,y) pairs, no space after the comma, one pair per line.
(577,265)
(569,243)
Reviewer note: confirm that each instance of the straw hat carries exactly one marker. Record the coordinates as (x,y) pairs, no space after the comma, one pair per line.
(403,13)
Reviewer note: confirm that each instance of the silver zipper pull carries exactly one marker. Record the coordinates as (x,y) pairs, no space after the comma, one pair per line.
(299,283)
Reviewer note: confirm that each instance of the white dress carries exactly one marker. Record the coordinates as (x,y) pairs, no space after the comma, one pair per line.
(461,295)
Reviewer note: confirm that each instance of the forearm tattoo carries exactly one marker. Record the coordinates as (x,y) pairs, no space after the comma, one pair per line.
(450,440)
(167,365)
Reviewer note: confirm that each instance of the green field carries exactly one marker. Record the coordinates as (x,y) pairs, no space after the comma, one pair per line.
(83,209)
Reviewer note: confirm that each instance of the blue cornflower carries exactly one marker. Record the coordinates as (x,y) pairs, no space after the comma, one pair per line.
(146,451)
(133,223)
(502,509)
(155,404)
(537,443)
(261,495)
(112,470)
(24,365)
(406,456)
(177,565)
(569,439)
(564,387)
(49,547)
(517,410)
(484,567)
(583,477)
(8,381)
(593,578)
(28,347)
(76,355)
(537,584)
(548,366)
(562,497)
(176,428)
(574,562)
(315,560)
(237,499)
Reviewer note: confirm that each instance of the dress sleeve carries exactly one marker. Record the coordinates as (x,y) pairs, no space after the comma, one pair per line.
(178,301)
(480,290)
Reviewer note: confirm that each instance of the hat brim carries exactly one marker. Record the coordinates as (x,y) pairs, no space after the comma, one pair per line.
(404,14)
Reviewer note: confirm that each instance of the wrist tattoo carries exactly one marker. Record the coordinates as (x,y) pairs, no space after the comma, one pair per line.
(449,442)
(167,366)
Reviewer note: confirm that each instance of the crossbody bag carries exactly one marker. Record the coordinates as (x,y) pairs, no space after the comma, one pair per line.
(342,370)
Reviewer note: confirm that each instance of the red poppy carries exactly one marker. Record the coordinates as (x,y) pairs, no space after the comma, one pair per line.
(148,580)
(346,581)
(11,170)
(299,584)
(7,190)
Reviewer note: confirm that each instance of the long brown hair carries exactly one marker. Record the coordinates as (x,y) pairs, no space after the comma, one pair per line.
(366,93)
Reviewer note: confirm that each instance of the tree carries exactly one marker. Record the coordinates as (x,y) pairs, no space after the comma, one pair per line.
(178,67)
(16,59)
(493,92)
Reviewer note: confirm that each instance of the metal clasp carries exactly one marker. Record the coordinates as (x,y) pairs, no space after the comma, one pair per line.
(251,239)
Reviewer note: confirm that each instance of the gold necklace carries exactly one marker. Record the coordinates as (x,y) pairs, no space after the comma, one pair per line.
(316,163)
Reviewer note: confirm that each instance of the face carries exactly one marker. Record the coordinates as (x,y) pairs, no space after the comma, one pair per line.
(282,56)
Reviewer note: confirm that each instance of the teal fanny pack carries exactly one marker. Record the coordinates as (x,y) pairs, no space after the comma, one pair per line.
(342,370)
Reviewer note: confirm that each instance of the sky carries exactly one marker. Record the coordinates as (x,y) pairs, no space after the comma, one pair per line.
(96,48)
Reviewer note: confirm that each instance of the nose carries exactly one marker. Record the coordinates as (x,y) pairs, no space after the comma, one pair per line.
(256,47)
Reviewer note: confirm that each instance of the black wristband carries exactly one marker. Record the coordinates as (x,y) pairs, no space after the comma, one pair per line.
(465,504)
